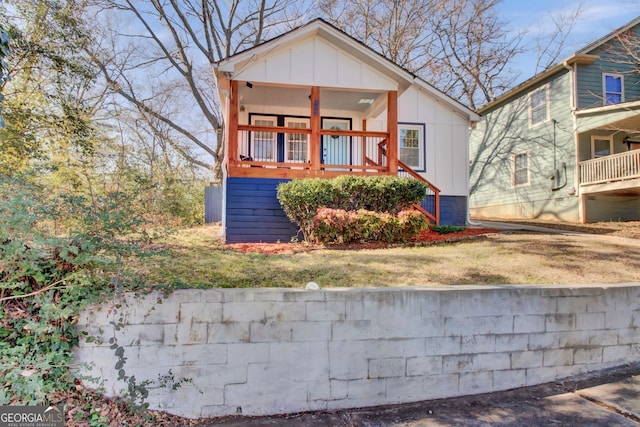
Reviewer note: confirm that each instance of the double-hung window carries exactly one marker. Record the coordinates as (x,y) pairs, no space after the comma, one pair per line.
(296,146)
(411,145)
(612,88)
(264,143)
(520,169)
(539,105)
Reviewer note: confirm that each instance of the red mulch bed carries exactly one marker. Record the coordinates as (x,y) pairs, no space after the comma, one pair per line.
(425,237)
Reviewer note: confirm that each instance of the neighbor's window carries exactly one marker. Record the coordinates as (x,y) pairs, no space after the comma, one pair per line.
(411,145)
(612,88)
(520,169)
(601,146)
(539,106)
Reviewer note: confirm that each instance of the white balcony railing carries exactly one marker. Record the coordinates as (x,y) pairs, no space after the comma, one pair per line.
(616,167)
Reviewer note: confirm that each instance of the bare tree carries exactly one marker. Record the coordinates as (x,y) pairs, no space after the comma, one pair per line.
(624,53)
(393,28)
(159,56)
(551,45)
(458,45)
(474,51)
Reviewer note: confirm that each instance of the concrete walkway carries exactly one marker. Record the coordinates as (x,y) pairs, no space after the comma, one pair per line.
(608,398)
(508,226)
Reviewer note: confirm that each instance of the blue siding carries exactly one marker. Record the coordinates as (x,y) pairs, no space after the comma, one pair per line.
(254,213)
(453,210)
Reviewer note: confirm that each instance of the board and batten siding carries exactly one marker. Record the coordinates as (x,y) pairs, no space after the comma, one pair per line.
(590,90)
(314,62)
(446,140)
(504,132)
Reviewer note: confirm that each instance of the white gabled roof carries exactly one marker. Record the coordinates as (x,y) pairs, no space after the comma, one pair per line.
(358,50)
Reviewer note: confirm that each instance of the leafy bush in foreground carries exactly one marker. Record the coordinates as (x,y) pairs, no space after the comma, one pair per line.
(340,226)
(57,255)
(301,199)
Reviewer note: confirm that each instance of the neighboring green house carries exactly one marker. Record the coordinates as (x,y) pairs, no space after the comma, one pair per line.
(565,144)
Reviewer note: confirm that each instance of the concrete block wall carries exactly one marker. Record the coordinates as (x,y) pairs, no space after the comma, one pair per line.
(269,351)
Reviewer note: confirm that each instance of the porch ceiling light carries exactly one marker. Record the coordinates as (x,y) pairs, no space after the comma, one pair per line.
(366,101)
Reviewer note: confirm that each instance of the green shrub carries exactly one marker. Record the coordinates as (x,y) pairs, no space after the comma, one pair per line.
(301,199)
(57,255)
(340,226)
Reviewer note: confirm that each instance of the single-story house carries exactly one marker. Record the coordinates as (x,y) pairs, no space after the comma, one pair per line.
(316,103)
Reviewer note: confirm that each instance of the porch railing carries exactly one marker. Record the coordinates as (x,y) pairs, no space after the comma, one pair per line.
(616,167)
(290,148)
(430,205)
(283,152)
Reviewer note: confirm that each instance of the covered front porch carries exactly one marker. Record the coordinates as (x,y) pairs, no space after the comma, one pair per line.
(609,168)
(301,132)
(289,132)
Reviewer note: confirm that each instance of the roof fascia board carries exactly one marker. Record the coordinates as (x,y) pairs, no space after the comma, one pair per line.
(463,109)
(359,50)
(581,57)
(328,32)
(610,36)
(575,59)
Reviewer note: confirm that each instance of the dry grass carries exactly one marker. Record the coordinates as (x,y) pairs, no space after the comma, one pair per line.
(196,258)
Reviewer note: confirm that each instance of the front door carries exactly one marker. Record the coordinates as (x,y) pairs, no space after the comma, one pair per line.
(335,148)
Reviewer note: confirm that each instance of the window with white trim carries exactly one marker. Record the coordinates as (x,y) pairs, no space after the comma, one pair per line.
(520,169)
(411,145)
(601,145)
(296,144)
(539,105)
(264,143)
(612,88)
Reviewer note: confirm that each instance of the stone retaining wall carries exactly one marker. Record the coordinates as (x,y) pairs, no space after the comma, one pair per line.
(269,351)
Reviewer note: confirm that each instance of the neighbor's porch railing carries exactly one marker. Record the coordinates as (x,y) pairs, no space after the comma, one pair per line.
(615,167)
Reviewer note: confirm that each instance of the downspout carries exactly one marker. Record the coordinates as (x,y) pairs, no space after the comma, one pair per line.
(574,106)
(556,174)
(225,172)
(468,215)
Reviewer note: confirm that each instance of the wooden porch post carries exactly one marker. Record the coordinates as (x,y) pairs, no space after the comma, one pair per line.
(392,128)
(314,151)
(232,142)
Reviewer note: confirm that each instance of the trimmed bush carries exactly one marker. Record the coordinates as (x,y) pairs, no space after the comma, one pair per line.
(340,226)
(301,199)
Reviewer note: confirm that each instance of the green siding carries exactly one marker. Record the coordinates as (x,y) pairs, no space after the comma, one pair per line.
(590,92)
(504,132)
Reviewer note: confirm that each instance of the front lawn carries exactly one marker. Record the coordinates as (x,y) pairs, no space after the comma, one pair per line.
(196,258)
